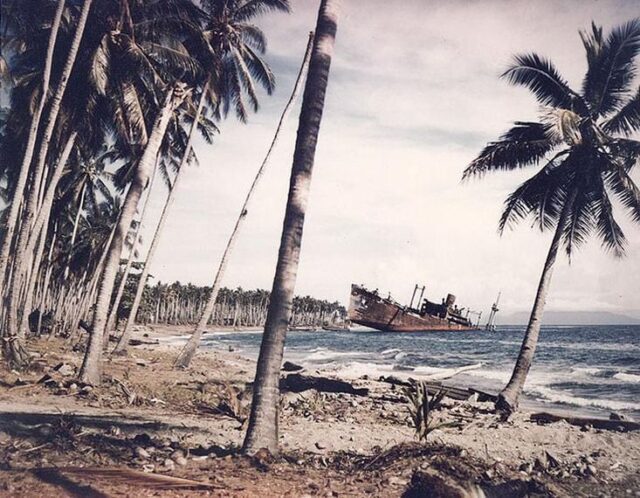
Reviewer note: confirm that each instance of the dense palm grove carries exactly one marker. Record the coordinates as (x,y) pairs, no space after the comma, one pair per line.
(101,102)
(178,304)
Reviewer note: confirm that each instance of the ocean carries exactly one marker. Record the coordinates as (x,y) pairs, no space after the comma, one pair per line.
(586,369)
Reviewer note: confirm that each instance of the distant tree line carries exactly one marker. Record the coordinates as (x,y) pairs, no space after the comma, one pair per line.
(182,304)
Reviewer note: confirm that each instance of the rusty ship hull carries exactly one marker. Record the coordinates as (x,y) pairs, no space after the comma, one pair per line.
(369,309)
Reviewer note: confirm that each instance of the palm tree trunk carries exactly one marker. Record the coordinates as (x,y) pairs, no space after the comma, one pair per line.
(76,222)
(262,431)
(14,331)
(18,193)
(111,321)
(186,355)
(507,402)
(41,226)
(46,280)
(31,206)
(131,320)
(91,371)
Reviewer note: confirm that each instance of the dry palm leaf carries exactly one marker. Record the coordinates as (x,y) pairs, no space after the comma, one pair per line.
(122,475)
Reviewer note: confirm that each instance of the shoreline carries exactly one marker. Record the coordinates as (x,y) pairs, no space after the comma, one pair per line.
(462,380)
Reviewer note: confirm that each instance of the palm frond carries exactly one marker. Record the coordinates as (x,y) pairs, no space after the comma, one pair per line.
(541,77)
(244,77)
(622,185)
(607,228)
(253,8)
(523,145)
(611,67)
(581,219)
(100,66)
(254,37)
(259,70)
(121,475)
(627,119)
(542,196)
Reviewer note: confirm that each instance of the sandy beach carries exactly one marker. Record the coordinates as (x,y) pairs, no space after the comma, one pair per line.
(189,423)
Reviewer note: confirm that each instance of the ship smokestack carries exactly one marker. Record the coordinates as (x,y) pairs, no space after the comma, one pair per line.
(451,299)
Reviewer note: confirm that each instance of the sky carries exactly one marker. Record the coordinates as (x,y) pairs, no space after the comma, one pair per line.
(414,94)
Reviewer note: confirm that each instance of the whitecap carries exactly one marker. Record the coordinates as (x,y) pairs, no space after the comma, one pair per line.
(548,395)
(627,377)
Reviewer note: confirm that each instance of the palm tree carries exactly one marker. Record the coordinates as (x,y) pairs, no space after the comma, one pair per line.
(91,371)
(189,350)
(262,431)
(10,223)
(582,140)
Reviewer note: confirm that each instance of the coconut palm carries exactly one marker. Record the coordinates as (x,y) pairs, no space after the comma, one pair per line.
(21,181)
(262,431)
(582,141)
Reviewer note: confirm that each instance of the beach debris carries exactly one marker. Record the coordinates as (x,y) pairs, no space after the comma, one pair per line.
(617,416)
(587,423)
(289,366)
(64,369)
(298,383)
(141,342)
(120,475)
(140,452)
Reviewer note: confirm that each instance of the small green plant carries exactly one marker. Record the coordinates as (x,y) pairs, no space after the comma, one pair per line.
(421,406)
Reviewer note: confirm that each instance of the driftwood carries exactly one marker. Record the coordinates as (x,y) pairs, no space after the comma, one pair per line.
(456,393)
(140,342)
(298,383)
(596,423)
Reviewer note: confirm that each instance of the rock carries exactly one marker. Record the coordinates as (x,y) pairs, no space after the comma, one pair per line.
(141,453)
(86,390)
(148,467)
(588,460)
(616,416)
(552,460)
(526,467)
(541,464)
(591,470)
(64,369)
(321,446)
(182,461)
(141,362)
(177,454)
(291,367)
(169,464)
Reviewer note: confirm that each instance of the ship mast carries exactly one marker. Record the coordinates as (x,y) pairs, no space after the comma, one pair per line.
(491,323)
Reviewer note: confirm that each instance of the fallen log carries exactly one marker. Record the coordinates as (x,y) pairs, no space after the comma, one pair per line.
(596,423)
(298,383)
(140,342)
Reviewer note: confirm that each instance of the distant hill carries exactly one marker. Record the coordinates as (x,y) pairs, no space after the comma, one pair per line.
(570,318)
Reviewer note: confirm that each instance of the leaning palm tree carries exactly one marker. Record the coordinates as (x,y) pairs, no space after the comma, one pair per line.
(262,431)
(582,141)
